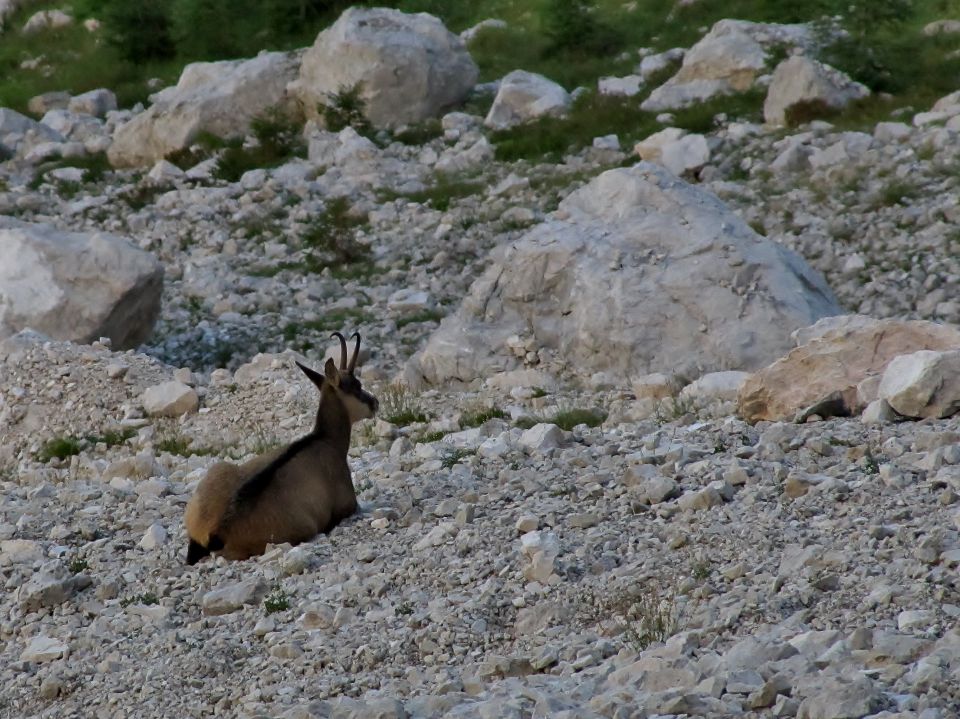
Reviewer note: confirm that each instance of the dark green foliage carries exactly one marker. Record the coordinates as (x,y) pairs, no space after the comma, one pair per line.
(60,448)
(572,27)
(278,136)
(346,108)
(419,134)
(330,240)
(570,418)
(138,29)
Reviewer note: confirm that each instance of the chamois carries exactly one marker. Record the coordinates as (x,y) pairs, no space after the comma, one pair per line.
(290,494)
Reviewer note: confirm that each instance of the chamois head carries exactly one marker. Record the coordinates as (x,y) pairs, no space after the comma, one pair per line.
(343,384)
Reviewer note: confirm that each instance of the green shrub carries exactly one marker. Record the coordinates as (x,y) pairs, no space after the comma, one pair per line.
(330,240)
(400,407)
(60,448)
(346,108)
(139,29)
(277,601)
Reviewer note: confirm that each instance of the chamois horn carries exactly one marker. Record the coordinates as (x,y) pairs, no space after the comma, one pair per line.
(356,353)
(343,349)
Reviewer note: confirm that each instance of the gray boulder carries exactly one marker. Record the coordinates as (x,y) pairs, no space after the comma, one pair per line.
(525,96)
(801,84)
(20,133)
(76,286)
(637,272)
(923,384)
(220,98)
(409,67)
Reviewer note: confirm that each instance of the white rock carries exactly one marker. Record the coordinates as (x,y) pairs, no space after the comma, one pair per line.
(409,301)
(542,437)
(620,86)
(170,399)
(46,20)
(154,537)
(164,171)
(232,597)
(651,148)
(600,321)
(95,102)
(714,387)
(687,154)
(76,286)
(525,96)
(923,384)
(220,98)
(409,67)
(801,84)
(44,649)
(606,142)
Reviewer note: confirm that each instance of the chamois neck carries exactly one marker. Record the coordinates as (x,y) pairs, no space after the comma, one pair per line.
(332,422)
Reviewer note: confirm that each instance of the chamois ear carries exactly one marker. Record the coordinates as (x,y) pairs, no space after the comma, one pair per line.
(314,376)
(331,373)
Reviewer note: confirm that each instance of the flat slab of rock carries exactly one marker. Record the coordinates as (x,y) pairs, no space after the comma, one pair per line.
(409,67)
(834,363)
(225,600)
(44,649)
(170,399)
(638,272)
(76,286)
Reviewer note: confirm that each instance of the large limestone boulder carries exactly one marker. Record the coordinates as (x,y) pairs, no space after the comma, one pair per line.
(727,60)
(525,96)
(409,67)
(220,98)
(837,356)
(76,286)
(802,86)
(637,272)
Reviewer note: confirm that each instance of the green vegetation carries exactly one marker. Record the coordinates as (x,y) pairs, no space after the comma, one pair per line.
(571,41)
(182,446)
(303,334)
(439,195)
(278,137)
(330,240)
(145,598)
(347,108)
(69,445)
(399,406)
(476,417)
(277,601)
(455,456)
(78,565)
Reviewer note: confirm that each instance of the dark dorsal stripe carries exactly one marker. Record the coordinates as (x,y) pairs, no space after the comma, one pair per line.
(258,483)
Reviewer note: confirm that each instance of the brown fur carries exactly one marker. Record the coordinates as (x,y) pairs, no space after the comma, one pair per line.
(287,495)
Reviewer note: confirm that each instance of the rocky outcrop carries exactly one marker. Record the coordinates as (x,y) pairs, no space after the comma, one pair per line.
(675,149)
(830,365)
(727,60)
(803,89)
(638,272)
(220,98)
(408,67)
(76,286)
